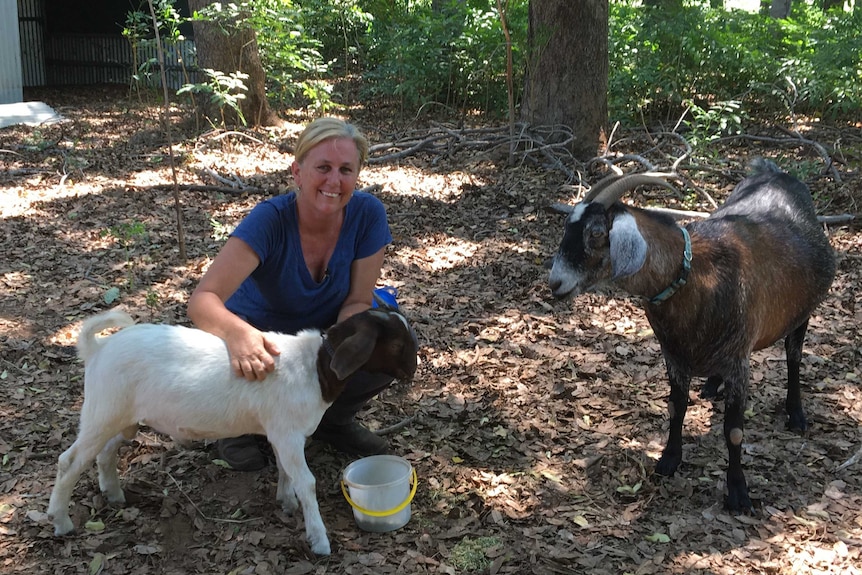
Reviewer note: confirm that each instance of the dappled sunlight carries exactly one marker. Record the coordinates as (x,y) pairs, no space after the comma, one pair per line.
(439,255)
(406,180)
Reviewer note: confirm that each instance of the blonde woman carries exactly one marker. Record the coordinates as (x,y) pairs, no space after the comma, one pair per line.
(306,259)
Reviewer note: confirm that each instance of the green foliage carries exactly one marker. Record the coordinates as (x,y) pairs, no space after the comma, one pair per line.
(707,67)
(455,56)
(221,231)
(289,53)
(224,91)
(697,57)
(469,554)
(126,234)
(140,32)
(719,119)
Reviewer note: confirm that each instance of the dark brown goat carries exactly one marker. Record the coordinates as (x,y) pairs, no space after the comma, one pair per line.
(716,290)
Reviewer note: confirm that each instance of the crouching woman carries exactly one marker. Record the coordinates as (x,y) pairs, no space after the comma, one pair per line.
(306,259)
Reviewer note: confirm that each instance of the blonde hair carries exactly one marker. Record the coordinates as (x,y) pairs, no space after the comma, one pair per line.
(323,129)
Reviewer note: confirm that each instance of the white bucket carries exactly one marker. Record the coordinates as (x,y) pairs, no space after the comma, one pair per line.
(378,489)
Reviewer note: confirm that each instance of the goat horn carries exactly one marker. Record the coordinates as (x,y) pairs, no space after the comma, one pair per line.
(614,190)
(601,185)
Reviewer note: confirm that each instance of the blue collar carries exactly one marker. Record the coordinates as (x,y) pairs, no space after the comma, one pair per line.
(683,275)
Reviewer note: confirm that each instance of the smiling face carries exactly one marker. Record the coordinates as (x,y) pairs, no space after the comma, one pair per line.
(327,175)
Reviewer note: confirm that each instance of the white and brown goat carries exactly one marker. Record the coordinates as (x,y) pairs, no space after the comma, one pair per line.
(178,381)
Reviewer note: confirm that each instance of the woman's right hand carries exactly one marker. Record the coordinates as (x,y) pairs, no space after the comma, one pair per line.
(251,353)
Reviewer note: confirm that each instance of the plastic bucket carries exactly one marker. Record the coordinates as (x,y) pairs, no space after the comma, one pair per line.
(379,490)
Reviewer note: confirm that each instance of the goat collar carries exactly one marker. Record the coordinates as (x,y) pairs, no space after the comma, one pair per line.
(683,275)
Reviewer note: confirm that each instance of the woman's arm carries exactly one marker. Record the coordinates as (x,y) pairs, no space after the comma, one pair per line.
(363,278)
(250,352)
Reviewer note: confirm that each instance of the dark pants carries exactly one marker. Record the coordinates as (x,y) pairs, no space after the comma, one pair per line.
(358,391)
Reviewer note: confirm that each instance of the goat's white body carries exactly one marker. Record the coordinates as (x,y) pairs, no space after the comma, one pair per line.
(179,381)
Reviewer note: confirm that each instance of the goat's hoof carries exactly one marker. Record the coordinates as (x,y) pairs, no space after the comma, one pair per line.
(321,547)
(737,500)
(667,466)
(739,503)
(63,526)
(797,421)
(116,498)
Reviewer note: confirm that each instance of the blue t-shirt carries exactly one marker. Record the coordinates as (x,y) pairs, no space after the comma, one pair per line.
(280,294)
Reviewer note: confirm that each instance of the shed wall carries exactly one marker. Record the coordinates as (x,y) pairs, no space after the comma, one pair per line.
(11,89)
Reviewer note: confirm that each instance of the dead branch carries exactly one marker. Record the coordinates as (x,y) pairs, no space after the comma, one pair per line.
(851,461)
(397,426)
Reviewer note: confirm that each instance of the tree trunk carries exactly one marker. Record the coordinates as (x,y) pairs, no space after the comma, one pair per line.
(567,72)
(232,52)
(780,8)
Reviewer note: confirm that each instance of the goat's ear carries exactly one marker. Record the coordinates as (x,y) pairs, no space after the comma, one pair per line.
(628,247)
(353,353)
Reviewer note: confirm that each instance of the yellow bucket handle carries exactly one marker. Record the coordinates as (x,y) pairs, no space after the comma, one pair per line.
(389,512)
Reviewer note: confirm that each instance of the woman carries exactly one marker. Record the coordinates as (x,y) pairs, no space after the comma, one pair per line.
(306,259)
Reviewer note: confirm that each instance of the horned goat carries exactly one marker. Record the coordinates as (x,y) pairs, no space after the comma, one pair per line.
(716,289)
(179,381)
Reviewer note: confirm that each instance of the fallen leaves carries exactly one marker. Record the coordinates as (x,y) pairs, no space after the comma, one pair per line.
(534,424)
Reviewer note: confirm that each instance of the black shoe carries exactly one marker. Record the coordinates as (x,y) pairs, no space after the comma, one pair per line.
(241,453)
(351,438)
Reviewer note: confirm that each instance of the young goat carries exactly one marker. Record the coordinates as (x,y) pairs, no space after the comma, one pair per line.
(716,290)
(178,381)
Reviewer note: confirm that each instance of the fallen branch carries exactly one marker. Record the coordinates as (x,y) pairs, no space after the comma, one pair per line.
(850,461)
(396,427)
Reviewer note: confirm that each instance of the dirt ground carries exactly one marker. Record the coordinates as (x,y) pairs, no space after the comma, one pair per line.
(533,425)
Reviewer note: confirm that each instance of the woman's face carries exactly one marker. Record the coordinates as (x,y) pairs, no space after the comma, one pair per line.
(327,175)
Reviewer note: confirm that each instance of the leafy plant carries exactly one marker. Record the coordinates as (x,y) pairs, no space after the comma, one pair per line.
(469,554)
(126,235)
(289,54)
(718,120)
(139,31)
(662,62)
(455,56)
(224,91)
(220,231)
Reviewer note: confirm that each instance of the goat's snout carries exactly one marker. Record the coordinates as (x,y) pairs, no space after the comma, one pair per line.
(563,281)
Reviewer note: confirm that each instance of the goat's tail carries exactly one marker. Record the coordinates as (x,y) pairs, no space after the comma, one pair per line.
(88,343)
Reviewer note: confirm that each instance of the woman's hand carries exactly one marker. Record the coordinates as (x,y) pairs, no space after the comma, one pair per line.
(251,353)
(250,350)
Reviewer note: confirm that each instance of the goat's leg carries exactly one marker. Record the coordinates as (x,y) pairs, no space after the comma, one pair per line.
(284,493)
(793,405)
(290,455)
(70,465)
(677,405)
(736,396)
(710,388)
(106,462)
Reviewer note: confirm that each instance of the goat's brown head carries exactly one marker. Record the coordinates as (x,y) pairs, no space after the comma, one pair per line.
(601,242)
(376,340)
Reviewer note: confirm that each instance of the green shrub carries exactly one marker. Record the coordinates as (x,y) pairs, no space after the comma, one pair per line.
(661,62)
